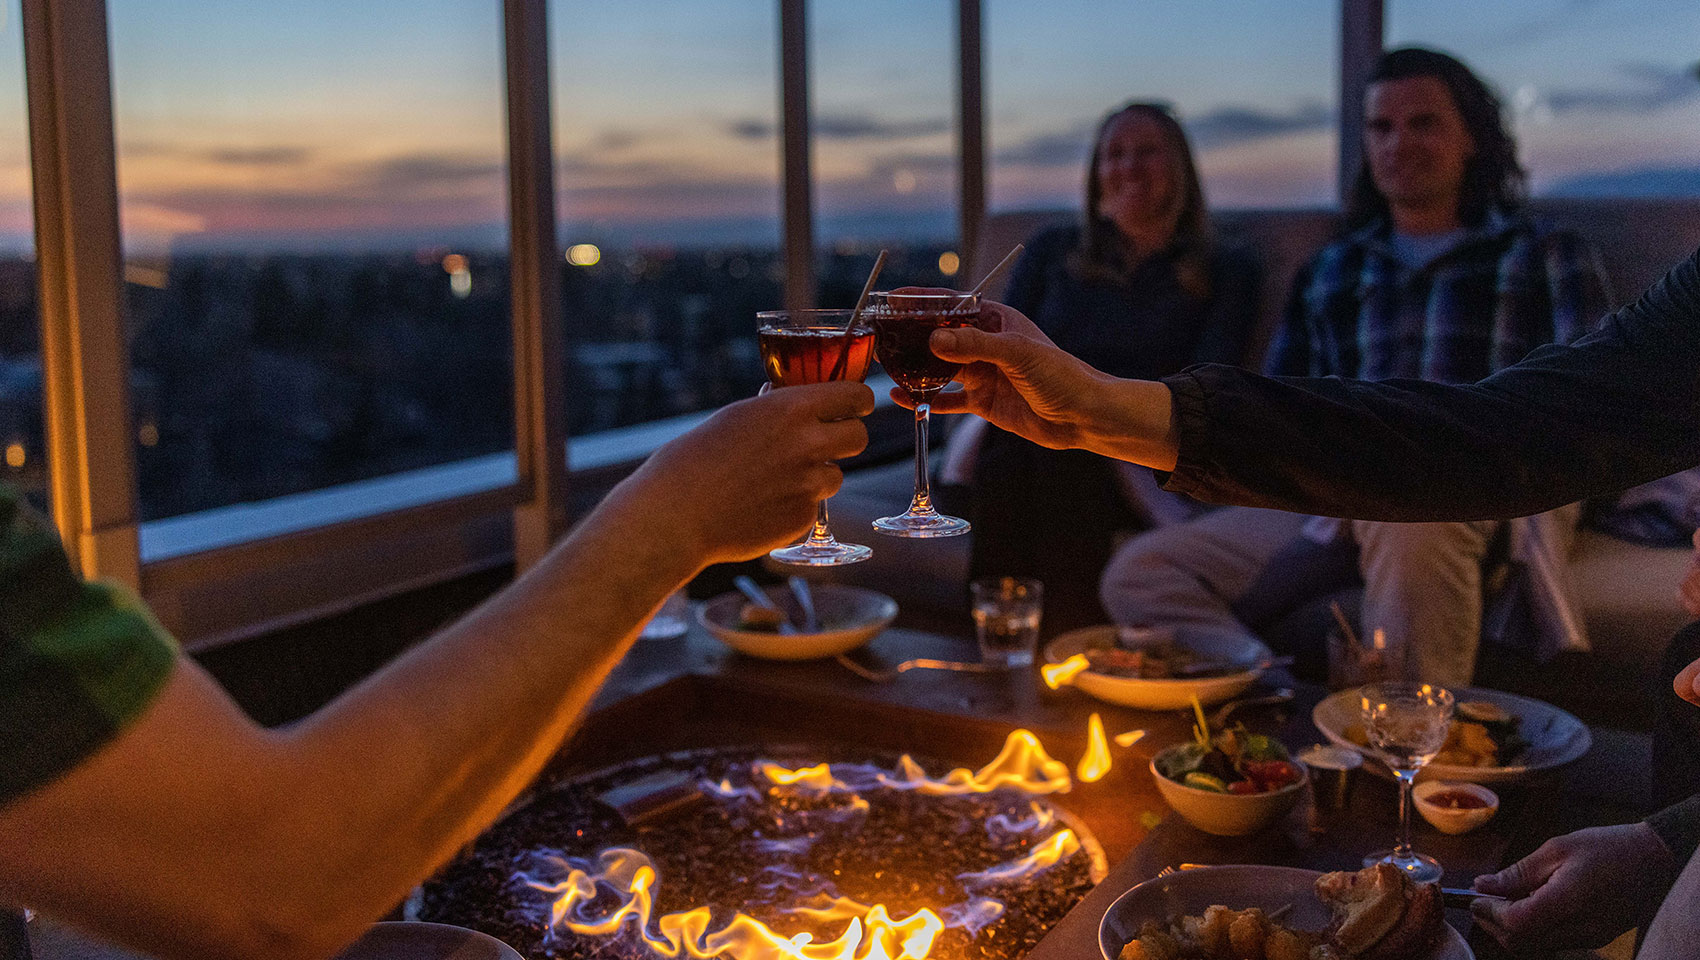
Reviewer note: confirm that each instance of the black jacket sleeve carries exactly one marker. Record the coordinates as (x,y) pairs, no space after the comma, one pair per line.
(1619,407)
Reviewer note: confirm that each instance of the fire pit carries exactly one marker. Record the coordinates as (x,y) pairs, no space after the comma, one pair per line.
(789,854)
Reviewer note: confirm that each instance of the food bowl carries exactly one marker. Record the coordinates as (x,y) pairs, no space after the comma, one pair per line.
(1165,694)
(1432,802)
(414,940)
(1228,814)
(849,616)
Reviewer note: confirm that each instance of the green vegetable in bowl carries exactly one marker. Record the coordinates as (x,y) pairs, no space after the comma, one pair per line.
(1232,761)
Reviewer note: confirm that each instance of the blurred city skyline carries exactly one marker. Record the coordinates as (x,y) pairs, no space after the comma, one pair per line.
(323,126)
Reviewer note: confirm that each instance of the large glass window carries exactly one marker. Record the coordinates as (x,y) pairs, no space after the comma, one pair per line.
(1254,84)
(666,132)
(885,156)
(1605,97)
(23,447)
(314,227)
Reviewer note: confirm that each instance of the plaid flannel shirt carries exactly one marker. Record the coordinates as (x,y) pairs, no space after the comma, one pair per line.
(1508,287)
(78,660)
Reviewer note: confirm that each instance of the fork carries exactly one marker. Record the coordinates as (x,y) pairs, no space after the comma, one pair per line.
(888,674)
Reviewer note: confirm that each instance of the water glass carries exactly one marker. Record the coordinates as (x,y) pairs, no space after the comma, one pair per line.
(1006,619)
(1354,663)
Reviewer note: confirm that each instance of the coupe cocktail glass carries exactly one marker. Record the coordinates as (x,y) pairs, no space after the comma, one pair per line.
(1406,724)
(903,323)
(814,346)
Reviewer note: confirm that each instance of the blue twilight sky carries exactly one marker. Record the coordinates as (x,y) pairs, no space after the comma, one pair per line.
(320,124)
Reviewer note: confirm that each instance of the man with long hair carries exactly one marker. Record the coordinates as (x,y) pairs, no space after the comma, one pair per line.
(1438,274)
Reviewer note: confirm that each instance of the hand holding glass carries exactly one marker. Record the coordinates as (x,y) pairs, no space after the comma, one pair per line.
(815,346)
(1406,724)
(903,323)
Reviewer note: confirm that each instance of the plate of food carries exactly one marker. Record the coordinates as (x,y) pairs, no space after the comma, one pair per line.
(1494,737)
(1280,913)
(1152,670)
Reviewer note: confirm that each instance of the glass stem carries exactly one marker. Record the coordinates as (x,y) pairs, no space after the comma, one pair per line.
(821,536)
(1407,778)
(923,502)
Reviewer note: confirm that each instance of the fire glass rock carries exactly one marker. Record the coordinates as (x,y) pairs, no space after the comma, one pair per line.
(906,850)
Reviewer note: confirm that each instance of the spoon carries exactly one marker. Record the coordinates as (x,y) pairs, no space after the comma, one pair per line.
(806,601)
(759,597)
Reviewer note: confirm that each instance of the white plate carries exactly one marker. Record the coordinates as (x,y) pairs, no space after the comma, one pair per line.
(413,940)
(855,614)
(1238,887)
(1555,737)
(1161,694)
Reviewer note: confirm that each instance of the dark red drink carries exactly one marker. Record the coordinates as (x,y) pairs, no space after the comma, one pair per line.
(798,355)
(902,341)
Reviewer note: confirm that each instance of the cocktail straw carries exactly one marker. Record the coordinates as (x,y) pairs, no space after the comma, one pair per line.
(1345,626)
(1008,258)
(856,314)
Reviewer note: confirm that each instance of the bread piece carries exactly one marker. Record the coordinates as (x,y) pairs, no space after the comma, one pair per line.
(1417,931)
(1367,904)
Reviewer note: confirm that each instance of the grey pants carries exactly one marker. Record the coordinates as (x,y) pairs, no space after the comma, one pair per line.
(1422,581)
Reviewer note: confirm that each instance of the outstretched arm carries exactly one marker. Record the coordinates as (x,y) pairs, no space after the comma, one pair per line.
(196,833)
(1620,407)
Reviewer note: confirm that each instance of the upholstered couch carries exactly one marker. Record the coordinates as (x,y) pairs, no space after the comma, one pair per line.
(1627,592)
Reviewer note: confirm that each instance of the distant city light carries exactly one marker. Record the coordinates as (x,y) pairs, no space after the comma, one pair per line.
(460,275)
(15,456)
(148,435)
(584,255)
(949,263)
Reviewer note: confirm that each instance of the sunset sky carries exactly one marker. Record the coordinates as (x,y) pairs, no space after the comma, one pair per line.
(321,124)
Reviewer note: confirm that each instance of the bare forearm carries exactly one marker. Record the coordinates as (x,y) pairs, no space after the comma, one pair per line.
(1130,420)
(511,680)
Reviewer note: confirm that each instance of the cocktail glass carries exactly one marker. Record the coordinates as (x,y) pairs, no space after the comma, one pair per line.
(815,346)
(1406,723)
(902,324)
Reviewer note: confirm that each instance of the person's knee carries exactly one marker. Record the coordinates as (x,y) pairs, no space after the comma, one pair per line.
(1148,564)
(1423,539)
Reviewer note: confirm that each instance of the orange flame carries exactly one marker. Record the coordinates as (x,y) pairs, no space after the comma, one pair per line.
(1057,674)
(1096,762)
(817,777)
(1061,844)
(872,934)
(1129,738)
(1023,765)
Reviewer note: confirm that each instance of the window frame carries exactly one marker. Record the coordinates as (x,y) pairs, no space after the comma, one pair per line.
(213,596)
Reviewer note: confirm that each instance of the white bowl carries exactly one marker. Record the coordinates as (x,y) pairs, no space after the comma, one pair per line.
(1228,814)
(1173,694)
(851,615)
(414,940)
(1447,819)
(1238,887)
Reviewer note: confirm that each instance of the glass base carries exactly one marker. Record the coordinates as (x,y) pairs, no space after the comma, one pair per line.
(832,554)
(922,525)
(1420,868)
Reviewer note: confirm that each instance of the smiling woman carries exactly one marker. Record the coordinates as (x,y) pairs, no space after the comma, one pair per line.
(315,242)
